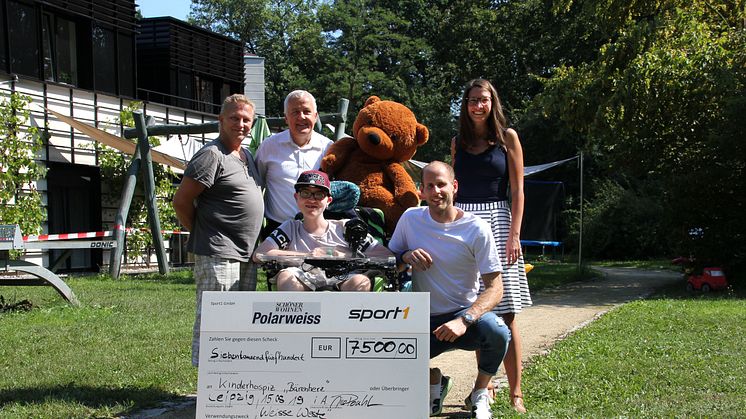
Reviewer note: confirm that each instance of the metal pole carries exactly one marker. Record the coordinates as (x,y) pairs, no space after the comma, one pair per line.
(150,196)
(580,226)
(115,255)
(342,106)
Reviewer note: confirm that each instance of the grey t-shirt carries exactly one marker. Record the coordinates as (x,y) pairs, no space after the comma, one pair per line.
(229,211)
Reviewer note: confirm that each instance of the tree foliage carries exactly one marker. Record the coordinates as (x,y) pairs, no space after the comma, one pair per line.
(659,103)
(20,144)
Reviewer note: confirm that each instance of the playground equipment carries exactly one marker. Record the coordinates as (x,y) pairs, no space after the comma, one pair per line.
(10,239)
(710,279)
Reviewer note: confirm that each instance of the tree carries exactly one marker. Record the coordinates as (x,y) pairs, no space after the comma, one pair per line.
(378,48)
(655,103)
(20,201)
(286,33)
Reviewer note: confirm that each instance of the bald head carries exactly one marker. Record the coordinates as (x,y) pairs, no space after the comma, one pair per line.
(439,189)
(437,167)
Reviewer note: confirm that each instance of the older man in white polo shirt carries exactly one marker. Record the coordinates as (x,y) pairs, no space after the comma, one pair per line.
(282,157)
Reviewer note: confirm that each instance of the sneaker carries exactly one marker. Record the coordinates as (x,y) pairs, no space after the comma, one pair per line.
(490,393)
(445,386)
(480,404)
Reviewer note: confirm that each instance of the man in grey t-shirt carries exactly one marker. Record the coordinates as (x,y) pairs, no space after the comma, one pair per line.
(219,201)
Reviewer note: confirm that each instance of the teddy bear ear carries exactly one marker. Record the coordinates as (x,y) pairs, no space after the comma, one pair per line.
(422,134)
(371,100)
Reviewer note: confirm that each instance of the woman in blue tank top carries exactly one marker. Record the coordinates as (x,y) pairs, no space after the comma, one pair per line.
(488,161)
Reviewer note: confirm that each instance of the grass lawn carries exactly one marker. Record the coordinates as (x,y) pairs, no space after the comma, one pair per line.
(674,355)
(126,346)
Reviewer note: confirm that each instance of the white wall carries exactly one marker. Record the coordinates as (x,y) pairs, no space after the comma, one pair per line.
(254,81)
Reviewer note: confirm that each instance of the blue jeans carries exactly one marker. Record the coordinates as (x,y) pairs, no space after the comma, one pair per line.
(489,334)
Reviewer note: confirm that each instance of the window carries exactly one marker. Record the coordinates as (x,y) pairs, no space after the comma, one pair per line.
(204,94)
(126,66)
(24,39)
(104,59)
(186,89)
(59,46)
(3,50)
(47,32)
(66,51)
(225,91)
(51,43)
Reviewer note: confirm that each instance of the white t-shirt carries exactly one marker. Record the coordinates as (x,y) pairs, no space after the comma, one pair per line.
(461,251)
(280,161)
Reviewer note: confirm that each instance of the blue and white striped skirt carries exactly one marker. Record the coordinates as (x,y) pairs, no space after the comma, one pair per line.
(516,295)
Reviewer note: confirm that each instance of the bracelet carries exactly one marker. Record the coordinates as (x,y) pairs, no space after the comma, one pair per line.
(330,252)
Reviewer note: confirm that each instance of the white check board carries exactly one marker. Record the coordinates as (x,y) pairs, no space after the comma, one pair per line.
(314,355)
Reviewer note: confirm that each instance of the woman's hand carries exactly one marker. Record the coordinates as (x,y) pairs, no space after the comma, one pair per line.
(512,250)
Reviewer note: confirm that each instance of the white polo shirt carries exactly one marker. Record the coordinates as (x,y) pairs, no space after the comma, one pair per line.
(280,161)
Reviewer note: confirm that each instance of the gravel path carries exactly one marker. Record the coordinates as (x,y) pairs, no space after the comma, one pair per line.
(555,313)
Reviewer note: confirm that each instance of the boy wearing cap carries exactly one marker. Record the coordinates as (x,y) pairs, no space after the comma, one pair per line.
(315,236)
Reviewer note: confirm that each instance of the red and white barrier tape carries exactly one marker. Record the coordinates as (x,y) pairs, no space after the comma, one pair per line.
(175,232)
(68,236)
(92,234)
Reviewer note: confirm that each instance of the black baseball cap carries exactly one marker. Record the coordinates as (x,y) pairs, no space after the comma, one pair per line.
(313,178)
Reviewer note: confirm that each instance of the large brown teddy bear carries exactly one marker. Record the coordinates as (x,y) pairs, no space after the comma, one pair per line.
(385,134)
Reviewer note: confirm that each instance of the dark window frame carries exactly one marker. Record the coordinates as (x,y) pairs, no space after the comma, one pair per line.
(40,37)
(53,55)
(24,48)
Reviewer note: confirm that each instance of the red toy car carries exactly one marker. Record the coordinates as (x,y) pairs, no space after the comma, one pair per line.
(711,279)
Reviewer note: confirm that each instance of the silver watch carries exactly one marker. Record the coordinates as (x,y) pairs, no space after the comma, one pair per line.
(468,319)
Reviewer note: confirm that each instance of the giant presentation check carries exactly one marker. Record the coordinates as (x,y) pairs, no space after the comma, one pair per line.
(314,355)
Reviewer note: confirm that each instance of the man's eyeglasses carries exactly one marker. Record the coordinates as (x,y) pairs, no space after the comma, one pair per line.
(475,100)
(317,195)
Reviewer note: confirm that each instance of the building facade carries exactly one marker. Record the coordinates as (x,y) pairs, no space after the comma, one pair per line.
(90,59)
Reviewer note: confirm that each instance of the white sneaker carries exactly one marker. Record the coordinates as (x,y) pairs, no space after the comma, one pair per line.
(480,404)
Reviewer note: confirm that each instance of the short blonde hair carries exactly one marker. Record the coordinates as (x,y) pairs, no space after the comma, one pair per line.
(236,99)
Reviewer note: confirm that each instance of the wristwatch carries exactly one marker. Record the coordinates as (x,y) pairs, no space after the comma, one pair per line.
(468,319)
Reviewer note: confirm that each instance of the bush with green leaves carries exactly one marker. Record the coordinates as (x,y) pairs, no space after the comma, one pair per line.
(622,223)
(20,144)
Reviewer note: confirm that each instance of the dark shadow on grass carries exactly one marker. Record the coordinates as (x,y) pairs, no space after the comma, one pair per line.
(678,292)
(181,276)
(458,414)
(91,397)
(614,286)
